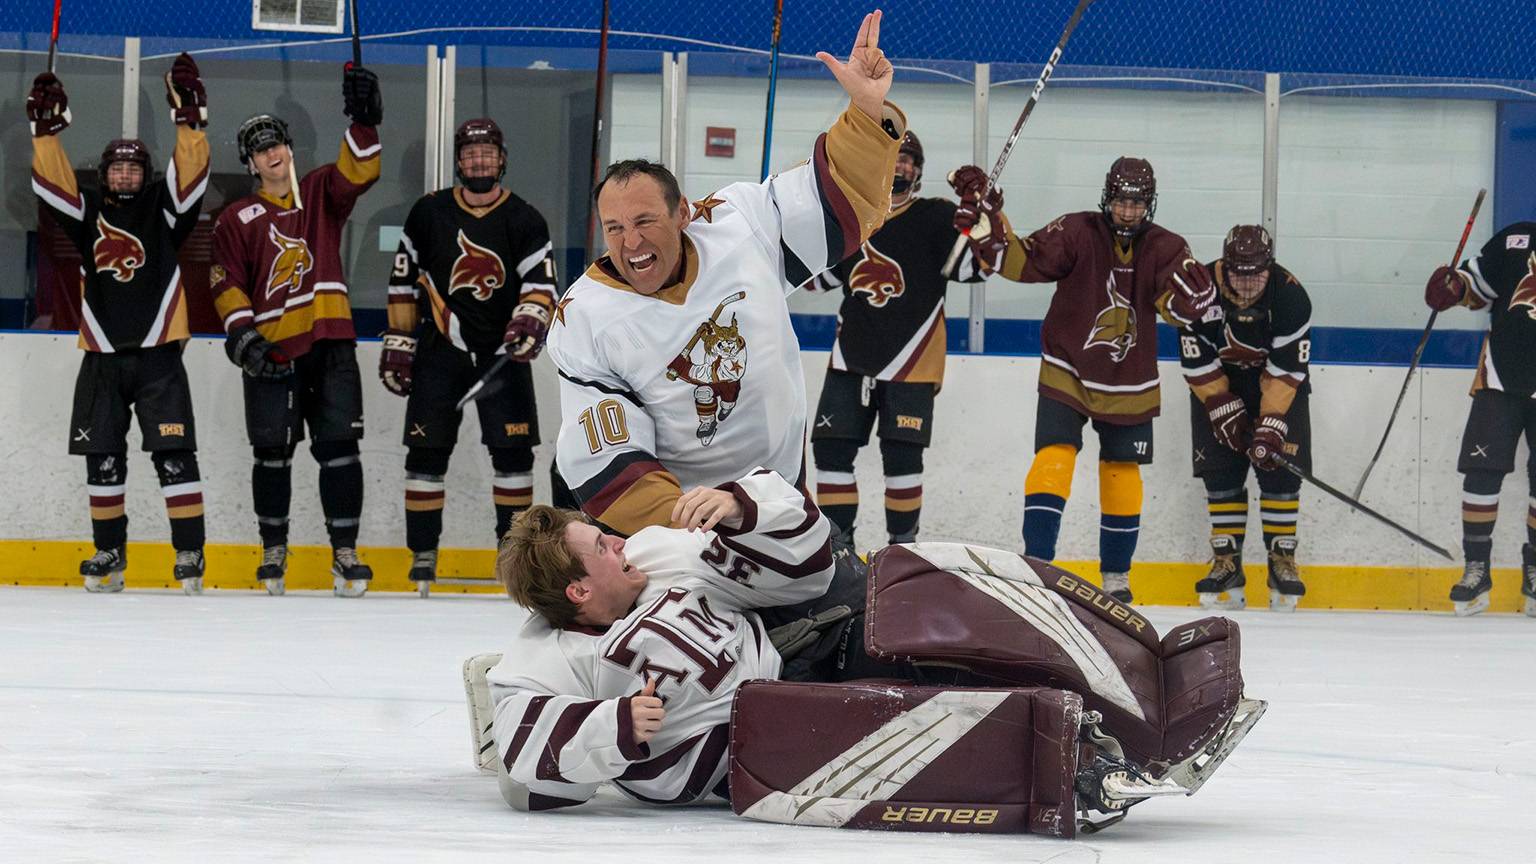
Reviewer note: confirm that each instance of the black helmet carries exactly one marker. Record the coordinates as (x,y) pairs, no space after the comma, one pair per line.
(481,130)
(122,150)
(1130,178)
(258,134)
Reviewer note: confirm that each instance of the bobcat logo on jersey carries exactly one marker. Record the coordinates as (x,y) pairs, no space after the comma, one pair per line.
(292,261)
(714,362)
(1238,353)
(1115,325)
(1525,292)
(478,269)
(116,251)
(878,278)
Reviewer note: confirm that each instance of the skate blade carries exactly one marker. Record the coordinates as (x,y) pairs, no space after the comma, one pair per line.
(482,714)
(1282,602)
(1468,608)
(275,587)
(192,586)
(1530,607)
(104,584)
(349,587)
(1236,600)
(1120,787)
(424,588)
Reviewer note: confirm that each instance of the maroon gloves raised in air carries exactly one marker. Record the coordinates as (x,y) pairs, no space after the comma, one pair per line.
(981,217)
(47,106)
(1193,290)
(184,91)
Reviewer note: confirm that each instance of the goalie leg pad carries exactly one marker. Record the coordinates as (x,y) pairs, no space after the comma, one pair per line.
(906,758)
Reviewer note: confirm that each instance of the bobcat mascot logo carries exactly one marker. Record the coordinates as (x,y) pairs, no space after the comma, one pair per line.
(478,269)
(116,251)
(877,278)
(714,362)
(1115,325)
(1238,353)
(1525,292)
(291,263)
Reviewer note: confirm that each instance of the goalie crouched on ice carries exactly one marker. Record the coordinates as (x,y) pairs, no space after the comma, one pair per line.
(645,658)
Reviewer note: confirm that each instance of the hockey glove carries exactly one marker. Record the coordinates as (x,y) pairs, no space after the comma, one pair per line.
(47,106)
(251,351)
(395,362)
(526,331)
(1268,442)
(981,216)
(1229,420)
(1193,290)
(184,91)
(1446,287)
(360,96)
(796,636)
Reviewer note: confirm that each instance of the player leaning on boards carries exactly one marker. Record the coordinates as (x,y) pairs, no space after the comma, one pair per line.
(1246,357)
(133,316)
(1502,279)
(1115,272)
(277,282)
(888,358)
(676,357)
(476,265)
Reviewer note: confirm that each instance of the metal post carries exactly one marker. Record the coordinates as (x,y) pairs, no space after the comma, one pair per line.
(978,316)
(447,115)
(433,125)
(1271,150)
(131,87)
(679,116)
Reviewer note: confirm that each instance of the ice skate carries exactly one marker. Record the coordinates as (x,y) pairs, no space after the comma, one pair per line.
(481,712)
(1528,578)
(1470,595)
(424,571)
(189,570)
(1118,586)
(1226,576)
(1285,585)
(273,569)
(349,576)
(103,571)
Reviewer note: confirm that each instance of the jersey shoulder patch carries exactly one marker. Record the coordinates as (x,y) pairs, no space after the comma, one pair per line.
(250,213)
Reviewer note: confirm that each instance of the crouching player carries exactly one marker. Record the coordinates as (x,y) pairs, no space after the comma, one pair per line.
(629,668)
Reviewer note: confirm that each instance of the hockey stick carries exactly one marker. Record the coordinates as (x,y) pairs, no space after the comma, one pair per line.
(773,85)
(1439,550)
(483,386)
(1418,352)
(597,124)
(357,37)
(699,333)
(53,40)
(1018,126)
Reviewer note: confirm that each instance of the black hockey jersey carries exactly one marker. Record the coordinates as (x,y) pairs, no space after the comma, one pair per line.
(1270,341)
(132,295)
(891,324)
(1503,280)
(467,268)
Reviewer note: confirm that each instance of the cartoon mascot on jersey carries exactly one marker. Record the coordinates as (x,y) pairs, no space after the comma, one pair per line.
(714,362)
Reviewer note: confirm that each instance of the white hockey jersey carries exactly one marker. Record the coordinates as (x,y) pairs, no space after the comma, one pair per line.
(700,382)
(562,724)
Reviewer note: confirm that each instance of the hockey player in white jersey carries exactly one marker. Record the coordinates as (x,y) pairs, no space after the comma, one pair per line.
(678,363)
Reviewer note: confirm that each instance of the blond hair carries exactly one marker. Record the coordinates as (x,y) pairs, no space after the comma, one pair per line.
(535,564)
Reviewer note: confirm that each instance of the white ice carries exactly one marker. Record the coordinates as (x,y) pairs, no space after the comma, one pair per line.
(235,726)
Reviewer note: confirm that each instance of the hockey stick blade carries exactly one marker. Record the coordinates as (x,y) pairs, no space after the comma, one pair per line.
(1353,503)
(484,387)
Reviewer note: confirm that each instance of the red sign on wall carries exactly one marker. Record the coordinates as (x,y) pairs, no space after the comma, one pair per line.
(719,141)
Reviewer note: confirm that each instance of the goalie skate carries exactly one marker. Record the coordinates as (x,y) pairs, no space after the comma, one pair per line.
(482,714)
(1470,595)
(1226,577)
(1192,773)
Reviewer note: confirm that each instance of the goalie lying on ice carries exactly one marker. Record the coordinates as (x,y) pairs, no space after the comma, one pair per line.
(662,664)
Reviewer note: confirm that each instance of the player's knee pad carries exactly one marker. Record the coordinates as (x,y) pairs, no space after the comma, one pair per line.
(176,466)
(1001,761)
(512,460)
(1022,622)
(901,457)
(1273,484)
(106,469)
(335,454)
(427,461)
(1225,484)
(273,457)
(1120,488)
(834,454)
(1482,482)
(1051,471)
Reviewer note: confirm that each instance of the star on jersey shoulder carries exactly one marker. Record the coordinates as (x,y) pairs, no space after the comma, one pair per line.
(705,209)
(560,309)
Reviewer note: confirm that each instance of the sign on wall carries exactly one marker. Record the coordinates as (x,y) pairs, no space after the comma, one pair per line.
(720,141)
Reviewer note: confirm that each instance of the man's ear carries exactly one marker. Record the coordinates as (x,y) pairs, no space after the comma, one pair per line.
(684,213)
(578,593)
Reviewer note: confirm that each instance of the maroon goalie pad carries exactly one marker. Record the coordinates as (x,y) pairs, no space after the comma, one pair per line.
(1022,622)
(900,757)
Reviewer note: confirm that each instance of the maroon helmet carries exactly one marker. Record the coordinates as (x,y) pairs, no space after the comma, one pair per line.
(1131,178)
(912,147)
(481,130)
(1248,250)
(122,150)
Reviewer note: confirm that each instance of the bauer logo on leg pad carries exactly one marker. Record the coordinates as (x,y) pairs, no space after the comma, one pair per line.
(944,815)
(1101,601)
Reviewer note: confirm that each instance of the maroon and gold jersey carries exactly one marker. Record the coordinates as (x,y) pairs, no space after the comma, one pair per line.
(131,286)
(1098,342)
(466,268)
(279,266)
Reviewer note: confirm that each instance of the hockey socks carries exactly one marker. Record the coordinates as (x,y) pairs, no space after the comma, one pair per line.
(903,463)
(1120,515)
(182,486)
(1228,509)
(1046,488)
(1277,512)
(424,495)
(512,487)
(105,477)
(271,492)
(341,489)
(837,493)
(1479,513)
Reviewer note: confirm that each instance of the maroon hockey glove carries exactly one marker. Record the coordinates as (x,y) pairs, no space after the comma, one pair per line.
(1444,289)
(526,331)
(1268,442)
(360,96)
(395,361)
(1229,420)
(184,91)
(47,106)
(251,351)
(1193,290)
(982,217)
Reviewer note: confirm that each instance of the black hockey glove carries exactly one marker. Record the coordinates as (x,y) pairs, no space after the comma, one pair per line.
(251,351)
(360,96)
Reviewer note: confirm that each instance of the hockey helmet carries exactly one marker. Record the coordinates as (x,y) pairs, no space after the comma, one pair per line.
(913,148)
(122,150)
(1248,250)
(481,130)
(260,133)
(1130,178)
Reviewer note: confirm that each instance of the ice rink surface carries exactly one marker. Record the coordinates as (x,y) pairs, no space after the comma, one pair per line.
(239,727)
